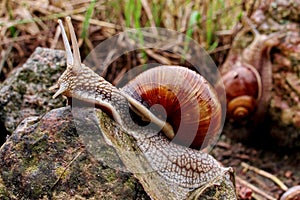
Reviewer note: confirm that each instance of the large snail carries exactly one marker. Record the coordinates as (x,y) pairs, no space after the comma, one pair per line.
(247,76)
(176,169)
(193,111)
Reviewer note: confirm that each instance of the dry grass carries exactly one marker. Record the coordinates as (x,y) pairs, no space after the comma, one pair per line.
(26,24)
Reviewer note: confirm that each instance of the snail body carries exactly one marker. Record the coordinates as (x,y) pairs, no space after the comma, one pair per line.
(175,168)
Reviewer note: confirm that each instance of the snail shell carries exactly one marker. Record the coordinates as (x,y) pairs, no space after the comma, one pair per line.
(187,101)
(243,90)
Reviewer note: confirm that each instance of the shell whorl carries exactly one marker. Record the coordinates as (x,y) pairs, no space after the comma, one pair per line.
(243,87)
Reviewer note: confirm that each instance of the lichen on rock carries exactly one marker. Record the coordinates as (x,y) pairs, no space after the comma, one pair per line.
(46,158)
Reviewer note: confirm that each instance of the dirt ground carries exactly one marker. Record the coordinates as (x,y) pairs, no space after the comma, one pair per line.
(283,164)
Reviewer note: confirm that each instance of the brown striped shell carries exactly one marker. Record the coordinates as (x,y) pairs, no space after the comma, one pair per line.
(182,97)
(243,90)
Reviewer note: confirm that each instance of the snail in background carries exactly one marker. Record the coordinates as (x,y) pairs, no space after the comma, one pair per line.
(247,76)
(176,170)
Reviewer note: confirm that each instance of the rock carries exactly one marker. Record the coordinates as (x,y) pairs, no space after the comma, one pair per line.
(25,93)
(46,159)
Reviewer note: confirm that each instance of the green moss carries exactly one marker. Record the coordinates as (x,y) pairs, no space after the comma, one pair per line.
(41,144)
(111,176)
(26,75)
(30,164)
(3,191)
(130,183)
(62,172)
(31,169)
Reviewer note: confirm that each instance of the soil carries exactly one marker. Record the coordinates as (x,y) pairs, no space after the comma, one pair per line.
(282,163)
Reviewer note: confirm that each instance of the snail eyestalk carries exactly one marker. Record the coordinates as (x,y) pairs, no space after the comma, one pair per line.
(70,60)
(61,89)
(76,53)
(247,22)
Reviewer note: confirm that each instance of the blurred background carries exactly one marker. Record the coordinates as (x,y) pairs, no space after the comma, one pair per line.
(26,24)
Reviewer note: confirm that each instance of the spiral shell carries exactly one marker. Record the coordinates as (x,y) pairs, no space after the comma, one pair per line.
(186,100)
(243,90)
(241,107)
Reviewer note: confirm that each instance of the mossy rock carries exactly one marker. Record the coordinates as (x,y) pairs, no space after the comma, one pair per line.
(46,159)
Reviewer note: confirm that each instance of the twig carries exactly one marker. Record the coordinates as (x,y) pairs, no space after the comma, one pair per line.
(17,39)
(157,57)
(4,56)
(65,169)
(221,48)
(97,22)
(267,175)
(254,188)
(3,7)
(48,17)
(257,197)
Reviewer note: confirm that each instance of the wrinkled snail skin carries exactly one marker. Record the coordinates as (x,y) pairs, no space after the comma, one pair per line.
(179,168)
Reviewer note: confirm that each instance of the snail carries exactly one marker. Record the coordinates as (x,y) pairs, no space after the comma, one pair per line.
(193,111)
(292,193)
(176,170)
(247,76)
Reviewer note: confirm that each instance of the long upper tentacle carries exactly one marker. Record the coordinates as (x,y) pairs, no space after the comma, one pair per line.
(70,59)
(76,53)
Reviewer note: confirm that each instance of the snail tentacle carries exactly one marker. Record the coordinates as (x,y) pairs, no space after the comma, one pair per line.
(76,53)
(69,55)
